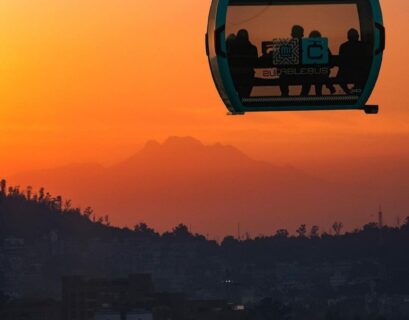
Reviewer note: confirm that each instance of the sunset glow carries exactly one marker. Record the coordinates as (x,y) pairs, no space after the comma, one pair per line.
(92,81)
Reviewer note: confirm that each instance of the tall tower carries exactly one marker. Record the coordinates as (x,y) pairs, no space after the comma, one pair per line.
(380,218)
(239,231)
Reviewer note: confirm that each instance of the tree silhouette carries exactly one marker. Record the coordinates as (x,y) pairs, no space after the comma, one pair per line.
(88,212)
(229,240)
(337,227)
(29,191)
(106,221)
(282,234)
(302,231)
(41,193)
(14,192)
(58,203)
(371,226)
(314,233)
(67,205)
(143,229)
(181,231)
(47,198)
(3,187)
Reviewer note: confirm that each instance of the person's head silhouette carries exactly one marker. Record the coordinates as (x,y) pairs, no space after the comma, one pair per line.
(231,37)
(243,35)
(230,41)
(353,35)
(315,34)
(297,32)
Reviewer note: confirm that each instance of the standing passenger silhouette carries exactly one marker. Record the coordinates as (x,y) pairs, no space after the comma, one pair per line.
(354,62)
(297,32)
(243,57)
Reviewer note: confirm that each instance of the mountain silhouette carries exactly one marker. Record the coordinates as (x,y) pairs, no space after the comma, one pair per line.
(212,188)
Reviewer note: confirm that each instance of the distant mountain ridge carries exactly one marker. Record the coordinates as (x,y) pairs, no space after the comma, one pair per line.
(210,187)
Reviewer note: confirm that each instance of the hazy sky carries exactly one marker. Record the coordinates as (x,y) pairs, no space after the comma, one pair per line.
(93,80)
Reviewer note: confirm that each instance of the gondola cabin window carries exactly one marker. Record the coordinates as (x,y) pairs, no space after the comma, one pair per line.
(300,54)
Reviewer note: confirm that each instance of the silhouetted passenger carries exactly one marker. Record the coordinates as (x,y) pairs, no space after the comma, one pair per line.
(354,62)
(230,42)
(319,79)
(229,45)
(297,32)
(243,57)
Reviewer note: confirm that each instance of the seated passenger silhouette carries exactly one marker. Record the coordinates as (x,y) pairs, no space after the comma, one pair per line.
(297,32)
(354,63)
(230,42)
(320,79)
(229,47)
(243,57)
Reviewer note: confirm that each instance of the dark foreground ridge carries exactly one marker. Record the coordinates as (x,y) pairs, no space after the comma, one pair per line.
(44,241)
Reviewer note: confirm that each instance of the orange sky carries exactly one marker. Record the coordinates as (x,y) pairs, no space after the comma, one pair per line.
(93,80)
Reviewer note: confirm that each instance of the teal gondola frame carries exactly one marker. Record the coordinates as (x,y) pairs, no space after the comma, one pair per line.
(216,51)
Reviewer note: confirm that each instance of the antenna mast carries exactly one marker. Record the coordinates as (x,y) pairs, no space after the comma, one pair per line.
(380,218)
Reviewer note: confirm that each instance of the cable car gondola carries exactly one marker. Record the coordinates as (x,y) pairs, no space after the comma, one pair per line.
(294,55)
